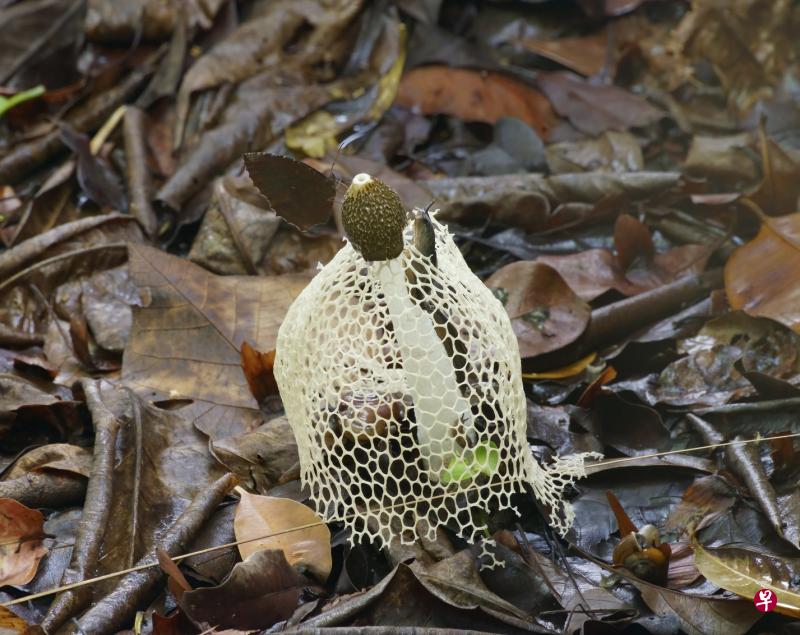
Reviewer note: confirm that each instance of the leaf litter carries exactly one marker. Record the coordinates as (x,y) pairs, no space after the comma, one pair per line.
(622,176)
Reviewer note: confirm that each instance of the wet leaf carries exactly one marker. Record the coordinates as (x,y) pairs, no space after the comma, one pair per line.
(761,277)
(185,341)
(474,96)
(744,572)
(545,314)
(21,546)
(708,373)
(259,592)
(307,549)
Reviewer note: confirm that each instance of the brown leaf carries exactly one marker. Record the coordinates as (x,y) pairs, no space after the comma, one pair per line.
(308,549)
(61,457)
(697,615)
(593,109)
(11,623)
(297,192)
(257,368)
(474,96)
(259,592)
(21,546)
(593,272)
(748,49)
(585,55)
(624,523)
(613,151)
(185,342)
(761,276)
(545,314)
(780,188)
(632,240)
(259,458)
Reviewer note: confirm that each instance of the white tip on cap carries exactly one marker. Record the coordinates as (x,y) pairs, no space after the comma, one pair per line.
(361,179)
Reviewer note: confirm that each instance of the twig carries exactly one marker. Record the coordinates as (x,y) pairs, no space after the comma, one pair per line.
(96,510)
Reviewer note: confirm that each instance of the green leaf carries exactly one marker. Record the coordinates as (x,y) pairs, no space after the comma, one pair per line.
(7,103)
(481,460)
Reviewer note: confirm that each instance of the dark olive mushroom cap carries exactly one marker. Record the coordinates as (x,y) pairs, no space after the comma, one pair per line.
(374,218)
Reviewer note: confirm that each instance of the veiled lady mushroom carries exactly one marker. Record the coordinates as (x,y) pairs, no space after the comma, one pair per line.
(427,354)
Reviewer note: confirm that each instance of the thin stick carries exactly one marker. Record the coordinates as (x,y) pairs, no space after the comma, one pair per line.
(411,503)
(712,446)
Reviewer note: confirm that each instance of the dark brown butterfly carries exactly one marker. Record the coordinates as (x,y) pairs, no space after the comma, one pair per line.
(297,192)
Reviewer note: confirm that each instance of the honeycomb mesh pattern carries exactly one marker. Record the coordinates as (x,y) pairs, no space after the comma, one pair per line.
(402,384)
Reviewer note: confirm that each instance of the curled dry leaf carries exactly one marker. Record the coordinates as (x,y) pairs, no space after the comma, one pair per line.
(264,520)
(545,314)
(761,277)
(62,457)
(474,96)
(257,367)
(21,546)
(744,572)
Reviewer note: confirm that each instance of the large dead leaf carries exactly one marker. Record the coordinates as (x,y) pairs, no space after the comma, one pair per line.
(263,521)
(474,96)
(761,277)
(21,545)
(545,313)
(185,341)
(744,572)
(260,591)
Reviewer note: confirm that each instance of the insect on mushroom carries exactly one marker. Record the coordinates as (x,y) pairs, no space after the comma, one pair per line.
(401,378)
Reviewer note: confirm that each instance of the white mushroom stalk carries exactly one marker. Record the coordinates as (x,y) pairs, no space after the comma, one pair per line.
(439,406)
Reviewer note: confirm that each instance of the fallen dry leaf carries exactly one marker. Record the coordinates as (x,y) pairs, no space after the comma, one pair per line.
(593,109)
(745,572)
(185,341)
(761,276)
(545,313)
(257,517)
(474,96)
(21,546)
(592,272)
(259,592)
